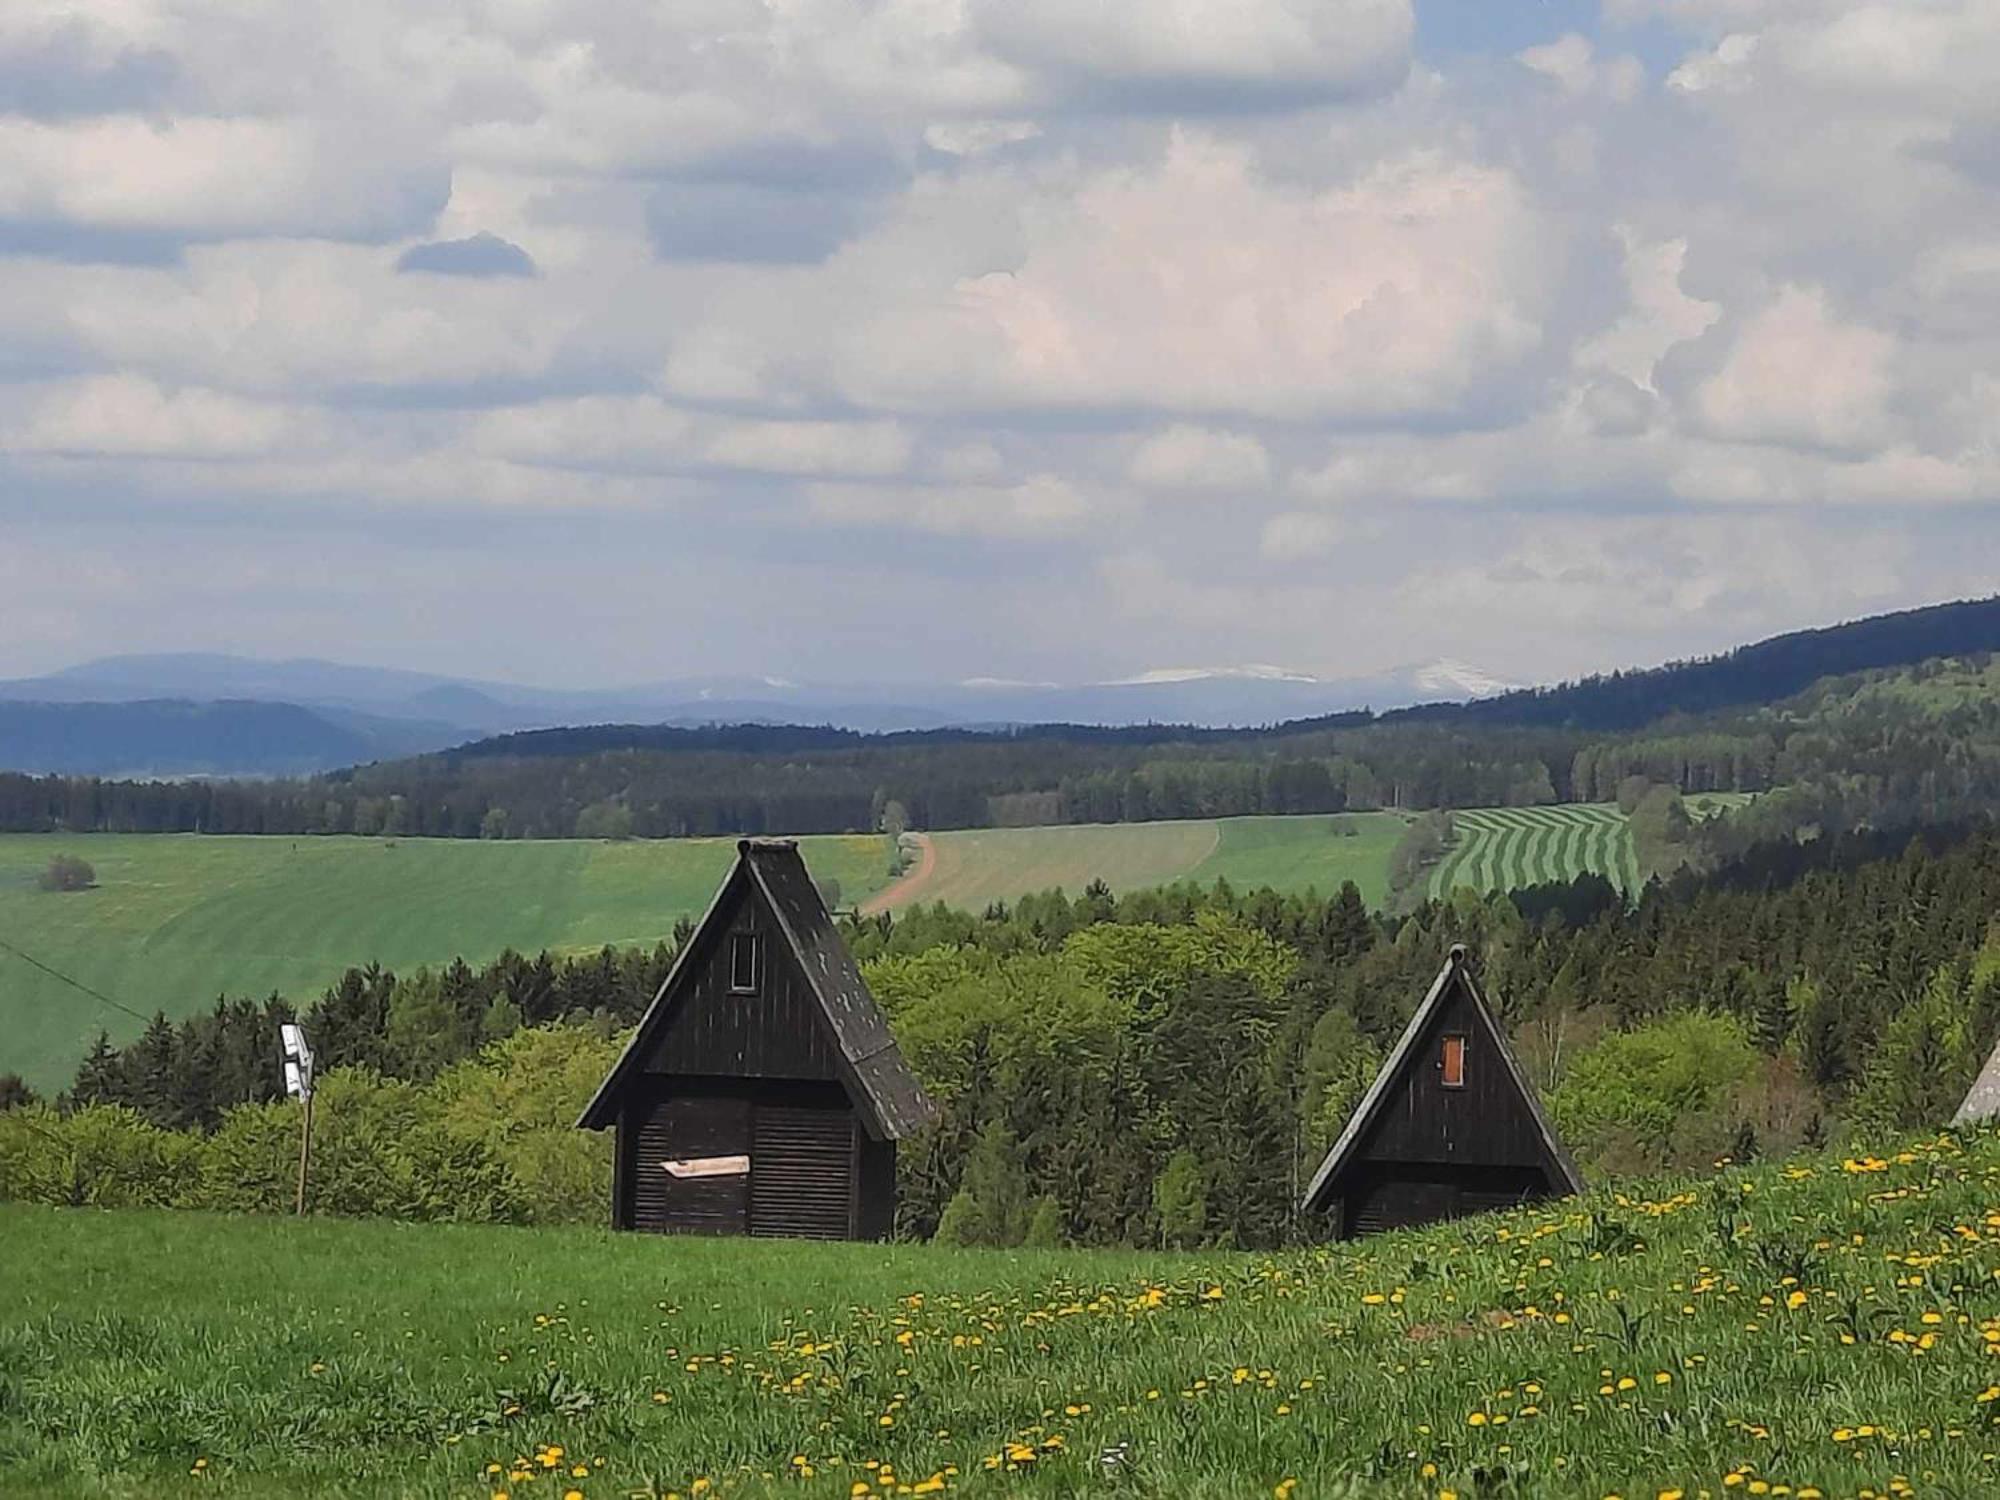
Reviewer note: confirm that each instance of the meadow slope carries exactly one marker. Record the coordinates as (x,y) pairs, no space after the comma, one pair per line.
(177,919)
(974,867)
(1820,1327)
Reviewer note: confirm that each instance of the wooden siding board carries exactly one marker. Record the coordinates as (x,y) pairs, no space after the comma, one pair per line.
(1483,1123)
(685,1126)
(802,1180)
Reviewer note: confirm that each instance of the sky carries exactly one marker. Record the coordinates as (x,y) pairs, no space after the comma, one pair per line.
(581,343)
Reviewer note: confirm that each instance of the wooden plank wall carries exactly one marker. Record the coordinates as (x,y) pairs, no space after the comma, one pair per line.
(778,1032)
(1485,1123)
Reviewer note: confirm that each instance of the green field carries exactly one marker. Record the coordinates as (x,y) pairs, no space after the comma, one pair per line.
(979,866)
(1502,848)
(1818,1327)
(1506,848)
(176,919)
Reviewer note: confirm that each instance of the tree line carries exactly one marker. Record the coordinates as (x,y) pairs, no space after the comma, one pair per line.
(1914,745)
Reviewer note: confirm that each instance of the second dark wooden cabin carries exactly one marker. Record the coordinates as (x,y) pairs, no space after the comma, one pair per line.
(1450,1125)
(762,1093)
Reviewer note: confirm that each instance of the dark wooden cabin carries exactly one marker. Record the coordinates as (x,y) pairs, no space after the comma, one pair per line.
(1450,1125)
(762,1093)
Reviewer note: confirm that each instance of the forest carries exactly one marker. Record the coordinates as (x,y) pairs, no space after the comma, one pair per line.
(1156,1068)
(1895,747)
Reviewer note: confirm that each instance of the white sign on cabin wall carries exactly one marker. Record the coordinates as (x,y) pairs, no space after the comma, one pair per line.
(708,1166)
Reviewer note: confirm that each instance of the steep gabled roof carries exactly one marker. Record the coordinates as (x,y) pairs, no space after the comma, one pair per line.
(891,1101)
(1982,1100)
(1457,972)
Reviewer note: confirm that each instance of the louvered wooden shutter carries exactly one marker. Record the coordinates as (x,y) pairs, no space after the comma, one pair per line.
(802,1172)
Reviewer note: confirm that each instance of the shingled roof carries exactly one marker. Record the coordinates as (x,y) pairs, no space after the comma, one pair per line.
(891,1103)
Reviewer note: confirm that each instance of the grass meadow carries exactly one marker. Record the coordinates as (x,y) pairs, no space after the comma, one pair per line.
(1817,1328)
(178,918)
(978,866)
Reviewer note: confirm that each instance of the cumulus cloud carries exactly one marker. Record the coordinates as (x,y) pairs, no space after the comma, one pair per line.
(989,287)
(1186,457)
(1796,373)
(1203,285)
(126,416)
(211,178)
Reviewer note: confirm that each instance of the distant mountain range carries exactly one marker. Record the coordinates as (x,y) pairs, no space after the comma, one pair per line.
(211,715)
(221,715)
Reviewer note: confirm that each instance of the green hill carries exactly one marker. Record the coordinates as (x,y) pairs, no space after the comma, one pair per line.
(1820,1327)
(176,919)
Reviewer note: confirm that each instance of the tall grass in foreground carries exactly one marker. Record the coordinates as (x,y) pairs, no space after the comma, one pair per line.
(1823,1327)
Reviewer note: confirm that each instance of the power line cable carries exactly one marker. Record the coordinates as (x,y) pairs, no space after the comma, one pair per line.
(75,984)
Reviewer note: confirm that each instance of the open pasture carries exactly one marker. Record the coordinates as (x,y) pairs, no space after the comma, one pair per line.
(1814,1328)
(974,867)
(176,919)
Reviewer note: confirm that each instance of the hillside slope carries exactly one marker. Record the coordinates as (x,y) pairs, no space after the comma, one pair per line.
(176,920)
(1765,672)
(1818,1327)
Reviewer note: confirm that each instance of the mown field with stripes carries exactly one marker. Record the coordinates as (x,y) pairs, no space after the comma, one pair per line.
(1505,848)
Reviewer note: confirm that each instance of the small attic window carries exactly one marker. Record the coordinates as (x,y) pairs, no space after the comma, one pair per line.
(745,962)
(1451,1062)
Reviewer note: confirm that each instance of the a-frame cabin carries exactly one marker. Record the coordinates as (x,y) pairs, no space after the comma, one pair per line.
(1450,1125)
(762,1093)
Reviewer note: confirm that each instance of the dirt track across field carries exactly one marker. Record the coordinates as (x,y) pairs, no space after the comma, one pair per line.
(911,886)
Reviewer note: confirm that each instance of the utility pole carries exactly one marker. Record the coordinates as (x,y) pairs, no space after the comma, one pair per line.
(299,1084)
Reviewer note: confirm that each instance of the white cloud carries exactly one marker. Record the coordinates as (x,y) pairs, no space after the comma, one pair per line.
(1043,505)
(1660,315)
(1797,374)
(1202,285)
(127,416)
(1298,534)
(861,448)
(1186,457)
(940,274)
(1650,578)
(213,178)
(1572,62)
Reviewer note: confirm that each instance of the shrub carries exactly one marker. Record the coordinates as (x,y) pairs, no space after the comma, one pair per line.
(66,872)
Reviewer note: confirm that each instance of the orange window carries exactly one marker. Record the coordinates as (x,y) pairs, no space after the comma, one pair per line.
(1452,1062)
